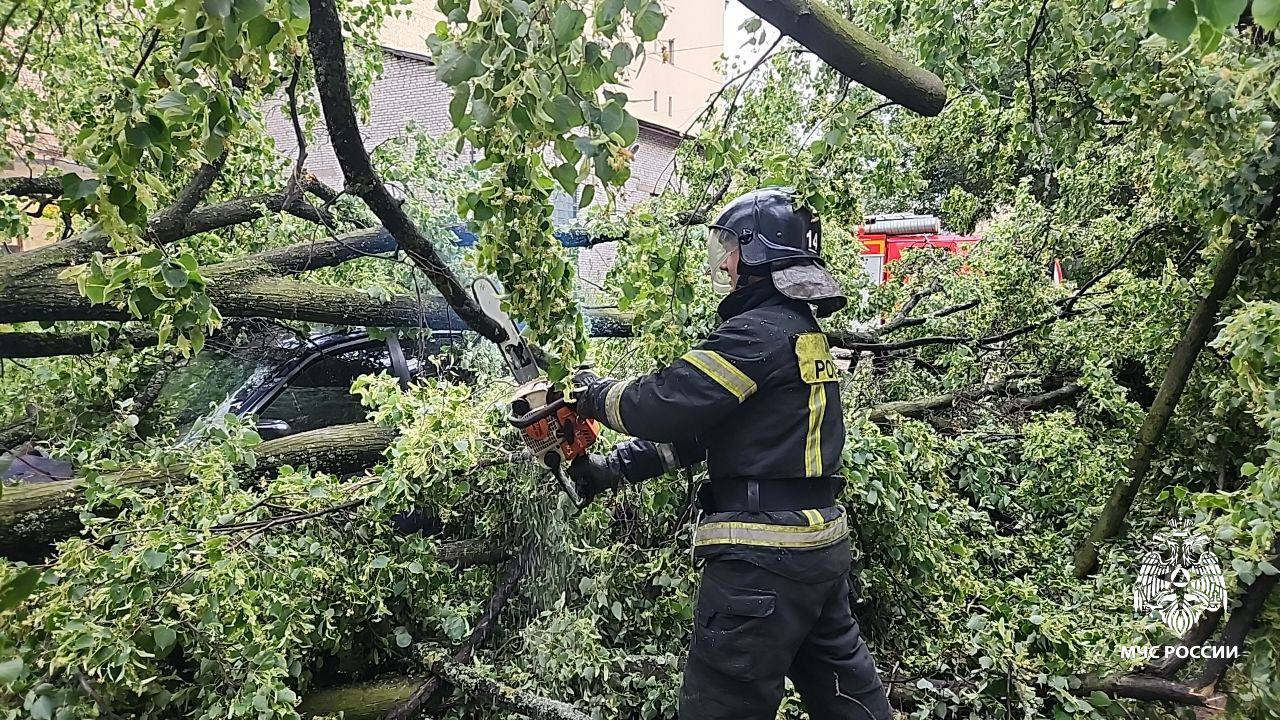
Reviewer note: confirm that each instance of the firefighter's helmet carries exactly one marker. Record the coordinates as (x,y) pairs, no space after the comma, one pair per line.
(775,236)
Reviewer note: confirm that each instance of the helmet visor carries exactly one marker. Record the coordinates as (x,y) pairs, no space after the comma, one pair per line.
(720,244)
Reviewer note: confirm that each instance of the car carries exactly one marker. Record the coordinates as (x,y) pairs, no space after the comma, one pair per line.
(291,382)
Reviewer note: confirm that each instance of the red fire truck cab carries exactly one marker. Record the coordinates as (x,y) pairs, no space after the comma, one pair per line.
(884,237)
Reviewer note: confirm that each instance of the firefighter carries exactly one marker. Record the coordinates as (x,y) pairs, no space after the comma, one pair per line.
(759,402)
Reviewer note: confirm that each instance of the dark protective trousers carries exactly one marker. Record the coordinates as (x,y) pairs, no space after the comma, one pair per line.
(753,627)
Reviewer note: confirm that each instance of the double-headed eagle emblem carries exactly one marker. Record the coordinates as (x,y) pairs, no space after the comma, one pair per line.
(1180,579)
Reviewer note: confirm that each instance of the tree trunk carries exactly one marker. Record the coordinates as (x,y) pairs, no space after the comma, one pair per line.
(1175,381)
(36,515)
(854,52)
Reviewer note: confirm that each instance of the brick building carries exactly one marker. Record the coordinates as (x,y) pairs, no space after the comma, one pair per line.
(679,73)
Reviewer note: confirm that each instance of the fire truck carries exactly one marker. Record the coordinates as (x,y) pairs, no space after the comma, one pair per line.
(884,237)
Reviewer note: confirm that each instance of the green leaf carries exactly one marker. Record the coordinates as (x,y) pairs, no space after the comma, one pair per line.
(649,21)
(565,113)
(164,637)
(403,638)
(137,136)
(588,194)
(220,9)
(1175,23)
(607,15)
(261,32)
(611,118)
(567,23)
(246,10)
(1267,14)
(1221,14)
(154,559)
(43,708)
(300,16)
(621,55)
(630,129)
(567,176)
(457,67)
(458,105)
(379,562)
(17,588)
(174,275)
(143,303)
(10,670)
(1248,469)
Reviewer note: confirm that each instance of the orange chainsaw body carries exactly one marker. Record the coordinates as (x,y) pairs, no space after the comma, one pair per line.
(556,434)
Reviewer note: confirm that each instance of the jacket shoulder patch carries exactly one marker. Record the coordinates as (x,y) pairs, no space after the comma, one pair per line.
(813,356)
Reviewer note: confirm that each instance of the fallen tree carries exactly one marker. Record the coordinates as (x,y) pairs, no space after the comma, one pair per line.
(35,515)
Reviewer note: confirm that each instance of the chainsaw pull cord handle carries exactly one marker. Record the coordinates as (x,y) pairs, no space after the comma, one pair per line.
(521,422)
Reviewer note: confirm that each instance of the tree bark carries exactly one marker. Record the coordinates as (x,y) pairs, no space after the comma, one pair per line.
(328,55)
(1237,628)
(1175,381)
(51,344)
(36,515)
(854,52)
(883,412)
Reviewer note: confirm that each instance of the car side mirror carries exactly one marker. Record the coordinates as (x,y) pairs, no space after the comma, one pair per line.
(272,429)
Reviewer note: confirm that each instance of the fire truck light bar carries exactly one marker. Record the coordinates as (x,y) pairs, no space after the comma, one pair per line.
(903,224)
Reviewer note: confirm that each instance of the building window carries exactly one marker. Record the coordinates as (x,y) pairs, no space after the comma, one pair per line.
(655,101)
(669,106)
(667,49)
(564,208)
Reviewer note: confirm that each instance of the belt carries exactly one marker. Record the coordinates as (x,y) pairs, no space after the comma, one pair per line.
(770,495)
(819,533)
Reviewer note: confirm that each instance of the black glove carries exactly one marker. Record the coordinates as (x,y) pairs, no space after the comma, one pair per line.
(593,474)
(582,382)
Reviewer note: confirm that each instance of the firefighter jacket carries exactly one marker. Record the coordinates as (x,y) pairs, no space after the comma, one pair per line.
(759,399)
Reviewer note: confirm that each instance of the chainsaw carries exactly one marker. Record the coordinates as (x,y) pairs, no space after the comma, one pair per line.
(552,431)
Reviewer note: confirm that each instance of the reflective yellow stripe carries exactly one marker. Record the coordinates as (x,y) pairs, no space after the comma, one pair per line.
(722,371)
(765,535)
(813,441)
(814,517)
(613,405)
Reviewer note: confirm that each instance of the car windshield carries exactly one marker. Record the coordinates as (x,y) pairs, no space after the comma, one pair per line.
(208,380)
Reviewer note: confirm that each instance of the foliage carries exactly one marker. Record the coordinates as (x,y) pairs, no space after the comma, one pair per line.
(516,107)
(1130,140)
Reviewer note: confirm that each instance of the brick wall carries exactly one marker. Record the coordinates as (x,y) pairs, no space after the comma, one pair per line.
(408,92)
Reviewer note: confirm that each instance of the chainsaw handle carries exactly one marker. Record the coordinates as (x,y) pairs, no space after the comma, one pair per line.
(523,421)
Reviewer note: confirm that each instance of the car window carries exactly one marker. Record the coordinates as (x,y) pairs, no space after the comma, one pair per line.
(209,379)
(320,394)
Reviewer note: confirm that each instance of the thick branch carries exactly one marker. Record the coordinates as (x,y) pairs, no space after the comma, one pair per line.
(903,321)
(1242,621)
(167,221)
(1171,386)
(35,267)
(505,696)
(916,408)
(51,344)
(298,258)
(35,515)
(1143,687)
(47,185)
(854,52)
(328,55)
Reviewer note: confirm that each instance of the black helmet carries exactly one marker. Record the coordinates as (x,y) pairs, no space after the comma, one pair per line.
(770,227)
(776,236)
